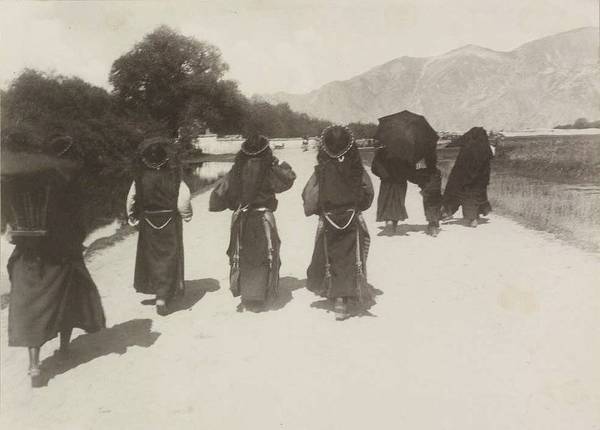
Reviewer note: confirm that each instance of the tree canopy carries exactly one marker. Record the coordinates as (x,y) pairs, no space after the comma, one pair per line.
(175,78)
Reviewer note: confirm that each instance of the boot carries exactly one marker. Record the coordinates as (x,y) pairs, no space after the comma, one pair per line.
(161,307)
(341,309)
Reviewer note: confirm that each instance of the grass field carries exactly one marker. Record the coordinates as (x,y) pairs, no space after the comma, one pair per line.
(550,183)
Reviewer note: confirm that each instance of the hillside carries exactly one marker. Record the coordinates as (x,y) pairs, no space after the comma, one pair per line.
(549,81)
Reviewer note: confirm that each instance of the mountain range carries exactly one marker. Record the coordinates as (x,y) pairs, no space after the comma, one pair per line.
(549,81)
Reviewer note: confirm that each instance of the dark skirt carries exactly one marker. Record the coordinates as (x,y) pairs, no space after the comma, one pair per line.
(48,296)
(258,276)
(390,202)
(345,280)
(474,202)
(159,259)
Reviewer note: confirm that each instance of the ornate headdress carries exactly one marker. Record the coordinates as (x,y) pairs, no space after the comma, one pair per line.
(153,152)
(336,141)
(254,145)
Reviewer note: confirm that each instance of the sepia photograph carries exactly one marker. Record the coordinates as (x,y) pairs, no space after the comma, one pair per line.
(300,214)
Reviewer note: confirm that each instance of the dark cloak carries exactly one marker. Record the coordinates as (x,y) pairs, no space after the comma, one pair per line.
(394,173)
(249,190)
(470,176)
(338,191)
(159,265)
(51,288)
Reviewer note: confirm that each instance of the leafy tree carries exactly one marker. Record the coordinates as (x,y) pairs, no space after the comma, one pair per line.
(279,121)
(175,79)
(363,130)
(38,105)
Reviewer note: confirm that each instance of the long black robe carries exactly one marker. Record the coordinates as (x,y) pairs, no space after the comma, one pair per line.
(470,176)
(394,174)
(339,199)
(249,190)
(51,288)
(159,261)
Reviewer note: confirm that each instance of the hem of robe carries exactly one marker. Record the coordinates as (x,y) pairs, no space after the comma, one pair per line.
(64,293)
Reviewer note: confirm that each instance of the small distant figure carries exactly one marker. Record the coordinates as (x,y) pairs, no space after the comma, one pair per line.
(249,191)
(305,144)
(157,202)
(394,173)
(469,178)
(52,291)
(338,191)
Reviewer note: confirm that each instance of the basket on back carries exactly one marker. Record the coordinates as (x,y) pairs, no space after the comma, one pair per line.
(29,181)
(29,197)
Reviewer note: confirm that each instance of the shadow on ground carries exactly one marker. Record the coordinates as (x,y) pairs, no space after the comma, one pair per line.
(356,309)
(114,340)
(195,290)
(464,222)
(287,285)
(402,230)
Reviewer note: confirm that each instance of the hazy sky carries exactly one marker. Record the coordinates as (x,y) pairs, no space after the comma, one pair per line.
(275,45)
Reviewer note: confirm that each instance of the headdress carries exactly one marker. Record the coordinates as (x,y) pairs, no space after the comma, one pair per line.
(153,152)
(337,141)
(254,145)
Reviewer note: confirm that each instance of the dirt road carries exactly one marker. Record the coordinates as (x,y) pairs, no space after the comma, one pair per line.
(492,328)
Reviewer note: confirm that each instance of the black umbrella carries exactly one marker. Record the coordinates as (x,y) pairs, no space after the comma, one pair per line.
(407,136)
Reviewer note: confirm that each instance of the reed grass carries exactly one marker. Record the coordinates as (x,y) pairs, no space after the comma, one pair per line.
(549,183)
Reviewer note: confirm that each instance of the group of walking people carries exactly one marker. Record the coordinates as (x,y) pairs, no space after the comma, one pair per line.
(52,292)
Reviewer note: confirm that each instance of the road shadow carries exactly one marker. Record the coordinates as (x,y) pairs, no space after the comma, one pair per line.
(402,230)
(88,347)
(356,309)
(194,292)
(287,285)
(464,222)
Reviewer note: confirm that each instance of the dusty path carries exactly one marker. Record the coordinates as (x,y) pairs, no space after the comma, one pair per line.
(493,328)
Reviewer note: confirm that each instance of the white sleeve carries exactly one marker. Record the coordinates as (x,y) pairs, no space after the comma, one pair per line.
(130,200)
(184,202)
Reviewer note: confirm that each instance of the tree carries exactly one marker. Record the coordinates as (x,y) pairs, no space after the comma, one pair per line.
(363,130)
(175,79)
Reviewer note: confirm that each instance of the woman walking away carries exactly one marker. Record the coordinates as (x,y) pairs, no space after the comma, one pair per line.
(157,202)
(249,191)
(52,291)
(393,173)
(469,178)
(337,192)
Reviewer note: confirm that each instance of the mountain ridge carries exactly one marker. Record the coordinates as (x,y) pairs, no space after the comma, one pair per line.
(541,83)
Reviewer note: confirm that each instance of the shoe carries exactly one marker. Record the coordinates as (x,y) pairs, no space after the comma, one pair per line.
(445,216)
(37,380)
(161,307)
(432,230)
(474,223)
(341,309)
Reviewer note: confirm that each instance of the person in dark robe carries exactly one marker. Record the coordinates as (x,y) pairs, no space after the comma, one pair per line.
(157,202)
(52,291)
(393,172)
(469,178)
(337,192)
(249,191)
(429,180)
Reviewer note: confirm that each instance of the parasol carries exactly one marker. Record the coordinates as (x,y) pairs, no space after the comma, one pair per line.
(407,136)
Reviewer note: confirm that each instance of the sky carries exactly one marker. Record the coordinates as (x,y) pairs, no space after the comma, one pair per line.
(274,45)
